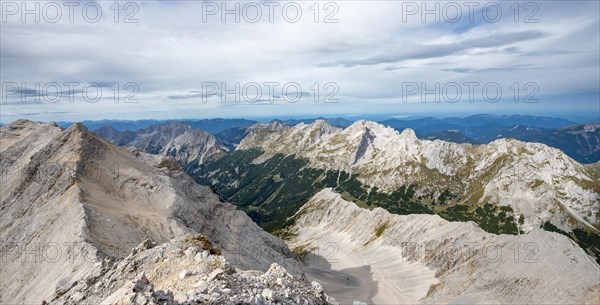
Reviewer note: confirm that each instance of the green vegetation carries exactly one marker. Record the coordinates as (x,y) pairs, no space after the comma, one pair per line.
(381,228)
(273,191)
(491,218)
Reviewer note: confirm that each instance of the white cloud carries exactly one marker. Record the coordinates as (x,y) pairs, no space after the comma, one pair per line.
(171,52)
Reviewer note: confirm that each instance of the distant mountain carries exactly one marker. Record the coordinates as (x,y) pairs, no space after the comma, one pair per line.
(210,125)
(473,126)
(190,146)
(580,142)
(450,136)
(215,126)
(338,122)
(120,125)
(481,120)
(423,126)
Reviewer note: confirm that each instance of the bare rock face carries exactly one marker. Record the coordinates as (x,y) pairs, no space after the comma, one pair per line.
(187,270)
(73,205)
(416,259)
(190,146)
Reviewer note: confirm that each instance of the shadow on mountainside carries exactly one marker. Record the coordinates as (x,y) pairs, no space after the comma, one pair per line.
(346,285)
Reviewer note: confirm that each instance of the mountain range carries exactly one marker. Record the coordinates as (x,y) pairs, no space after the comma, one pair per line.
(580,141)
(361,214)
(209,125)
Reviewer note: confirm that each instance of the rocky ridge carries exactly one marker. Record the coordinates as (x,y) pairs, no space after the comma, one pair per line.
(189,146)
(73,204)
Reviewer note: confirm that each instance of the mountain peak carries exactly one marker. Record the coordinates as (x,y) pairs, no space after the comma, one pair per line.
(323,126)
(77,128)
(408,133)
(274,125)
(364,124)
(321,122)
(21,123)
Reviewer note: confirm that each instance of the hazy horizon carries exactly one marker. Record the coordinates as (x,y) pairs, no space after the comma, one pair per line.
(373,117)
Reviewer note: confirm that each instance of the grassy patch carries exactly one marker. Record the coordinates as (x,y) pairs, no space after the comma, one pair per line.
(381,228)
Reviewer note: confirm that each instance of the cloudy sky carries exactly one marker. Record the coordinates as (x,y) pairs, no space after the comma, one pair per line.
(164,59)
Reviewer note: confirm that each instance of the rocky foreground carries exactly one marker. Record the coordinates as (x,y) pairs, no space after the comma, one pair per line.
(188,270)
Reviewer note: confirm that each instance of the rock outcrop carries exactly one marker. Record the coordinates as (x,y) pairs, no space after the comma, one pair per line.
(188,270)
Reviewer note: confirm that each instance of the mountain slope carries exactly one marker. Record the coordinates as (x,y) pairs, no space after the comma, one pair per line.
(232,137)
(506,186)
(73,192)
(501,172)
(418,259)
(190,146)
